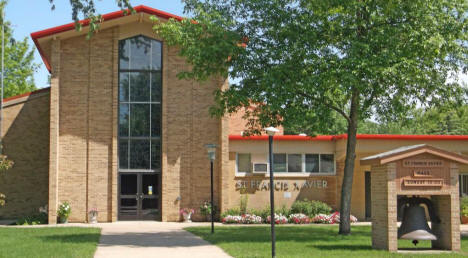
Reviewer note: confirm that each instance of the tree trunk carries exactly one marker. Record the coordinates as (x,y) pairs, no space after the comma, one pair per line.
(347,185)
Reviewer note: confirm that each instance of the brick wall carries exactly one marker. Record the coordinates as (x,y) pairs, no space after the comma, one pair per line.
(26,141)
(87,87)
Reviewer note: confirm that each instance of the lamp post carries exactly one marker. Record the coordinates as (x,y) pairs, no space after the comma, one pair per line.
(211,148)
(271,132)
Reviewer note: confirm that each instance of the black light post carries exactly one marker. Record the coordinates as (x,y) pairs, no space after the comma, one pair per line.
(271,132)
(211,148)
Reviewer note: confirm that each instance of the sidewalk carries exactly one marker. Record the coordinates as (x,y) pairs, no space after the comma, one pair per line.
(152,239)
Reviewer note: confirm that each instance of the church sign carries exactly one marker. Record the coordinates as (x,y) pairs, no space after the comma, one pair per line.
(261,185)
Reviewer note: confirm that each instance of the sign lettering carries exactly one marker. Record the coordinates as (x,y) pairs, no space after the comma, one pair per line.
(423,163)
(260,185)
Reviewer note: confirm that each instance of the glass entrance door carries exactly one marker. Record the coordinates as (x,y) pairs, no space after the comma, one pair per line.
(139,196)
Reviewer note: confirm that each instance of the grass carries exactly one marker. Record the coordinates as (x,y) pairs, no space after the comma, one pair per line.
(304,241)
(49,242)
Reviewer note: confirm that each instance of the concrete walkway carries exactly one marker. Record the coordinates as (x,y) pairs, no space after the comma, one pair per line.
(152,239)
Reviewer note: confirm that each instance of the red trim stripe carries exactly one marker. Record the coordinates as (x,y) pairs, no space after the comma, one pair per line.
(106,17)
(25,94)
(344,136)
(281,138)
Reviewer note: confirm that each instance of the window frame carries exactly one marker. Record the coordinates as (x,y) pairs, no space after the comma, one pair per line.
(150,102)
(291,174)
(237,164)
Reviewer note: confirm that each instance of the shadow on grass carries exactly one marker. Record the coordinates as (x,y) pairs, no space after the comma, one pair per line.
(350,247)
(310,234)
(72,238)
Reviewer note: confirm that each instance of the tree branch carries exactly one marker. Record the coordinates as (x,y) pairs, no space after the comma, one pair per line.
(330,105)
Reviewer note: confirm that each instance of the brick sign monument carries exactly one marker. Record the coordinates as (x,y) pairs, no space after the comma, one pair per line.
(418,172)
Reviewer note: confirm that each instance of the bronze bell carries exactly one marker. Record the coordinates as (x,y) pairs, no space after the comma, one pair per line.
(414,223)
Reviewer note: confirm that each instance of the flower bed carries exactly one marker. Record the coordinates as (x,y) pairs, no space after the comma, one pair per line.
(299,218)
(279,219)
(244,219)
(333,218)
(321,219)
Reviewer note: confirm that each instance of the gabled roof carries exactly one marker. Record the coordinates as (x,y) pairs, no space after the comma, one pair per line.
(409,151)
(106,17)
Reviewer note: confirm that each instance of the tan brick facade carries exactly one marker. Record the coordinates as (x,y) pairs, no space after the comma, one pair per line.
(85,152)
(26,141)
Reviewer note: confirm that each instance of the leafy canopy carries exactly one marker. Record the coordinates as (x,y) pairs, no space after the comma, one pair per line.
(306,58)
(86,9)
(19,62)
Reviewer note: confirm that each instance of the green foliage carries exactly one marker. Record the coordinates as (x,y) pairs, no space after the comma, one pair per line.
(64,210)
(19,62)
(264,213)
(86,9)
(35,219)
(285,211)
(464,206)
(232,212)
(310,208)
(244,200)
(2,199)
(205,208)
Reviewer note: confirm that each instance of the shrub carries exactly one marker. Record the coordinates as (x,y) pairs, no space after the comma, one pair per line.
(244,199)
(283,210)
(64,210)
(310,208)
(464,206)
(263,213)
(231,212)
(34,219)
(299,218)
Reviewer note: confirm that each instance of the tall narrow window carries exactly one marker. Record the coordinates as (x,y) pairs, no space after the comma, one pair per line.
(140,88)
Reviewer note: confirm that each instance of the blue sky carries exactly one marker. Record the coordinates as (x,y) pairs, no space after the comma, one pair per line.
(33,15)
(28,16)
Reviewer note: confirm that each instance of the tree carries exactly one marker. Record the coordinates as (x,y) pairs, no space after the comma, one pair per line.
(307,60)
(19,62)
(86,9)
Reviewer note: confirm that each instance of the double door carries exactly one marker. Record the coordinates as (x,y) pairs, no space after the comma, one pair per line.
(139,196)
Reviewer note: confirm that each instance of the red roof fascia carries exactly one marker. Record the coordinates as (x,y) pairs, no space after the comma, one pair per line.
(344,136)
(106,17)
(26,94)
(281,138)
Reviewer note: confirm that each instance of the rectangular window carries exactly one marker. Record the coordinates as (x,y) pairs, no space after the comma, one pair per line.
(312,163)
(327,163)
(243,162)
(294,162)
(279,163)
(140,89)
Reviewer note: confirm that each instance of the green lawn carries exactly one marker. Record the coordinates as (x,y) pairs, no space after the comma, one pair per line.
(49,242)
(302,241)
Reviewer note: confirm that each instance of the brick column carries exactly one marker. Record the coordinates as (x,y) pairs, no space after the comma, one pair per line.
(384,207)
(54,130)
(448,209)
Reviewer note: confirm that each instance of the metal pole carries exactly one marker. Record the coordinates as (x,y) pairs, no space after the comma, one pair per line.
(3,71)
(212,206)
(272,198)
